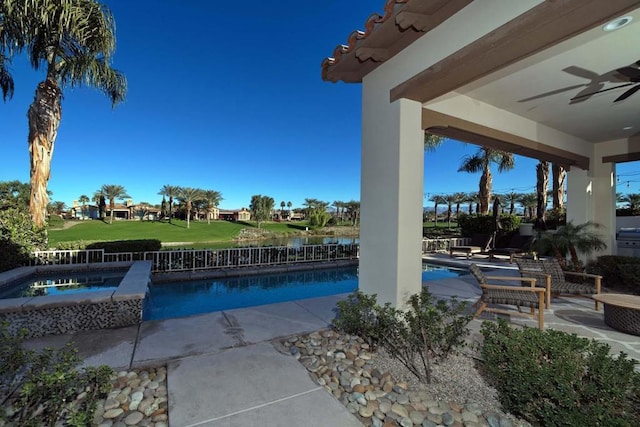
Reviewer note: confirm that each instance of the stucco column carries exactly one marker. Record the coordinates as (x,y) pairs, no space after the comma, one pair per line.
(591,197)
(391,196)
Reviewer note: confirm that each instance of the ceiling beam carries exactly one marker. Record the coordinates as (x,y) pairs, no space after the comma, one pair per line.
(474,133)
(540,28)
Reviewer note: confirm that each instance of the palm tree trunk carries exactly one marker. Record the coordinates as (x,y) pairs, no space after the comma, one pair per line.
(559,175)
(188,212)
(44,119)
(542,182)
(486,182)
(170,208)
(112,205)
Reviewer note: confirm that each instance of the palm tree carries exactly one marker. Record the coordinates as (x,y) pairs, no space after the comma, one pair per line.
(558,175)
(633,200)
(450,199)
(188,195)
(481,162)
(84,199)
(572,239)
(73,40)
(98,198)
(289,204)
(431,141)
(528,202)
(436,199)
(512,198)
(169,191)
(212,199)
(6,81)
(459,198)
(353,208)
(542,183)
(282,205)
(471,199)
(113,192)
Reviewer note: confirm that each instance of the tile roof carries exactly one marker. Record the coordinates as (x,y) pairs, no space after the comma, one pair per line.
(385,35)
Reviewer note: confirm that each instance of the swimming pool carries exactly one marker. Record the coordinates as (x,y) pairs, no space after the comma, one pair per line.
(180,299)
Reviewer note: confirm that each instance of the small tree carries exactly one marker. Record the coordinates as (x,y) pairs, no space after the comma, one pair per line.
(261,207)
(84,199)
(113,192)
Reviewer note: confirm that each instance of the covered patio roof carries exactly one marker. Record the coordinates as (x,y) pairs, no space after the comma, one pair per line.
(547,65)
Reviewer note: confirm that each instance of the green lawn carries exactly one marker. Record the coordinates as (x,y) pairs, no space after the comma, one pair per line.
(177,231)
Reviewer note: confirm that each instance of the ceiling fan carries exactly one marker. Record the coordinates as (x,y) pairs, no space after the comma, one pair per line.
(630,73)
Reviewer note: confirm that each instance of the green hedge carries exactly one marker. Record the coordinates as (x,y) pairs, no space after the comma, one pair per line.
(143,245)
(552,378)
(621,273)
(484,224)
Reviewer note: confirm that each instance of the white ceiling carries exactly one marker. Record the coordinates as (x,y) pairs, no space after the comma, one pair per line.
(540,88)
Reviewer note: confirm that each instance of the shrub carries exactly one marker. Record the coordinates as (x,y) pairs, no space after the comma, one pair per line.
(482,224)
(143,245)
(621,273)
(50,385)
(554,378)
(72,245)
(426,330)
(19,237)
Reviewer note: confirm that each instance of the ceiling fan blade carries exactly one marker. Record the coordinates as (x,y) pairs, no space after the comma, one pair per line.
(585,93)
(581,72)
(579,97)
(550,93)
(628,93)
(631,73)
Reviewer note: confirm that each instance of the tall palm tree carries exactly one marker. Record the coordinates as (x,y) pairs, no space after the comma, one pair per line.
(512,198)
(542,183)
(471,199)
(449,199)
(212,199)
(84,199)
(481,162)
(282,205)
(431,141)
(169,191)
(436,199)
(459,198)
(6,81)
(353,208)
(528,202)
(558,175)
(113,192)
(73,40)
(188,195)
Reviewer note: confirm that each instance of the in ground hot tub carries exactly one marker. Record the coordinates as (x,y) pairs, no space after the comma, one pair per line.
(61,314)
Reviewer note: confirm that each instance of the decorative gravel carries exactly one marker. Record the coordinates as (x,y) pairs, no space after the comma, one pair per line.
(381,392)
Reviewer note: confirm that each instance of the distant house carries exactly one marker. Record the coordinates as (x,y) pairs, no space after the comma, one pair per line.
(80,212)
(235,215)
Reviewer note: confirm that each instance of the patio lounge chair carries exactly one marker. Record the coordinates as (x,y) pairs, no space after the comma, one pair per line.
(549,269)
(518,245)
(531,296)
(479,244)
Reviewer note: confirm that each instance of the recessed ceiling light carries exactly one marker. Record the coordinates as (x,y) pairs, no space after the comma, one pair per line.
(627,127)
(618,23)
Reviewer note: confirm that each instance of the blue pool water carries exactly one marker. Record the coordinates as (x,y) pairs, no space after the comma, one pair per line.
(179,299)
(64,284)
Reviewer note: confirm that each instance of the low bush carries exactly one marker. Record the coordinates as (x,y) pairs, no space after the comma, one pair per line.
(620,273)
(427,330)
(19,237)
(143,245)
(51,389)
(554,378)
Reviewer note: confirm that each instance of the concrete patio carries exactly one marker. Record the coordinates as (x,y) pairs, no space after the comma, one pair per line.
(222,369)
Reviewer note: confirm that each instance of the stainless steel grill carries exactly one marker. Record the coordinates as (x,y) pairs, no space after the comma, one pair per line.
(628,240)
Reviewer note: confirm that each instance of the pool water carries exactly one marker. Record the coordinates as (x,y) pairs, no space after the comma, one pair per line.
(179,299)
(64,284)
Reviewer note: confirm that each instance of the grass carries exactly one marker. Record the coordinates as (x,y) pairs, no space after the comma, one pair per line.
(199,234)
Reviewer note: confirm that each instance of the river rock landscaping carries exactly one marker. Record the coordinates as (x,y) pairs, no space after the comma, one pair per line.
(380,392)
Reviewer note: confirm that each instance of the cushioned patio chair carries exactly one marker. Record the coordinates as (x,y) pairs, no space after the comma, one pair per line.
(549,270)
(479,243)
(531,296)
(518,245)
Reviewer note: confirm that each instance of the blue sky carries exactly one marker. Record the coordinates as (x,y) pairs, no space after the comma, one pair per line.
(224,96)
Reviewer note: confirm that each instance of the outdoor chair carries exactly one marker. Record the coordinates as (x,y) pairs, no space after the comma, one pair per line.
(518,245)
(531,296)
(480,243)
(549,270)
